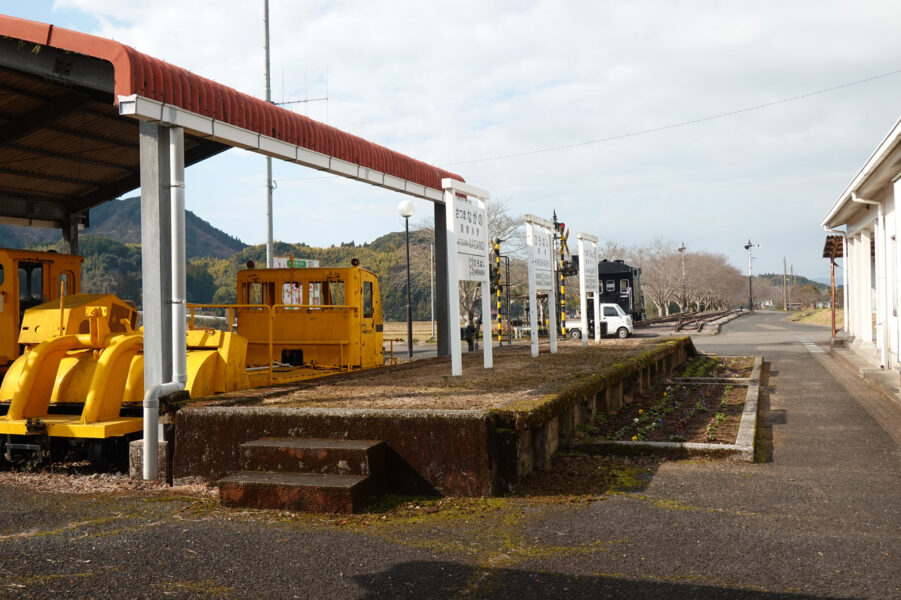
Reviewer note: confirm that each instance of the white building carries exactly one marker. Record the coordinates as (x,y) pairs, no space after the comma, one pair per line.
(868,216)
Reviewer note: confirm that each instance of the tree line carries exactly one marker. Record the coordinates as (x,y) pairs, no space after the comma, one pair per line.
(672,280)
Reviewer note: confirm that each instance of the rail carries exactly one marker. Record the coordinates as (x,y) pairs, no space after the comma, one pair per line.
(685,320)
(270,310)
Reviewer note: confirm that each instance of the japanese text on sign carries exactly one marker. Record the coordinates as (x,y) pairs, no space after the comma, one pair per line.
(540,257)
(590,266)
(470,228)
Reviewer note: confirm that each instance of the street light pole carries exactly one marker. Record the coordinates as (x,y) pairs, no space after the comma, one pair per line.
(681,250)
(406,210)
(748,247)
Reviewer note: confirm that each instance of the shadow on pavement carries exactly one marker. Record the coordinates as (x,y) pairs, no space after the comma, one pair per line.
(439,580)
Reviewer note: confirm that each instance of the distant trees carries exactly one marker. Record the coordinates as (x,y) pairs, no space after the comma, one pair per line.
(710,283)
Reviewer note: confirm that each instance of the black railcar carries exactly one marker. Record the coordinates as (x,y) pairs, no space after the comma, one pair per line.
(621,284)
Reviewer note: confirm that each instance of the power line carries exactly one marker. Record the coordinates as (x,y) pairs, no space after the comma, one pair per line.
(674,125)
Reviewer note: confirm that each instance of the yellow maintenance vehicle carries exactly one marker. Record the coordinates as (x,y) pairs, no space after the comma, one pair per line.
(29,278)
(81,373)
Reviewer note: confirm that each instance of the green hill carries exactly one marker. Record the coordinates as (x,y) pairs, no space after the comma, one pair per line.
(120,220)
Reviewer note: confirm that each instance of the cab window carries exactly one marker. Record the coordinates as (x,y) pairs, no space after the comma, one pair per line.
(257,292)
(291,293)
(31,283)
(367,299)
(623,286)
(65,280)
(336,292)
(610,311)
(611,285)
(315,293)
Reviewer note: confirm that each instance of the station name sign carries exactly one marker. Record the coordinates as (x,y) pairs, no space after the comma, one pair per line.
(540,257)
(471,232)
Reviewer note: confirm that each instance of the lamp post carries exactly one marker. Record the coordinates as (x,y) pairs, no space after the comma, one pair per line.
(681,250)
(748,247)
(406,210)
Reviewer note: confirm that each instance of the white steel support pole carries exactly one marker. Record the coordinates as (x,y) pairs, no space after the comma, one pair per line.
(533,297)
(453,286)
(845,296)
(588,281)
(552,313)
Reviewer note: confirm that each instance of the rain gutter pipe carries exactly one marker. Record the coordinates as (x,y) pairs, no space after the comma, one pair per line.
(179,350)
(882,299)
(844,235)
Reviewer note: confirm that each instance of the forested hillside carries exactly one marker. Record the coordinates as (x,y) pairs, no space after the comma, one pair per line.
(120,221)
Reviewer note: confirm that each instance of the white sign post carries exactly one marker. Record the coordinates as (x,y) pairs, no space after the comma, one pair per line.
(588,281)
(541,276)
(467,260)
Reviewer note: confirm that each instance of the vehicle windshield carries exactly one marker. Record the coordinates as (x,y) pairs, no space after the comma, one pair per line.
(620,310)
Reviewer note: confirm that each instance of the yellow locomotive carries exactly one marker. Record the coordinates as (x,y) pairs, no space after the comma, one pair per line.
(81,369)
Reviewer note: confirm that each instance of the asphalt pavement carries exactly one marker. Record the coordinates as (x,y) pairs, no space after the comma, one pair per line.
(818,515)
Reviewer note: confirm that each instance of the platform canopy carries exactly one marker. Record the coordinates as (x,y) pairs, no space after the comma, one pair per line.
(71,103)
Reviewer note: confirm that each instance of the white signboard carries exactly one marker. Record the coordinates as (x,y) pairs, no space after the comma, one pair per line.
(466,224)
(541,277)
(539,241)
(588,262)
(471,232)
(588,283)
(284,262)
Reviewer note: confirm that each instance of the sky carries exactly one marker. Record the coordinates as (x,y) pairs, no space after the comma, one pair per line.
(629,119)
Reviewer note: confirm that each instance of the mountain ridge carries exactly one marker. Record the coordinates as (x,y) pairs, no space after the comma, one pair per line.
(120,221)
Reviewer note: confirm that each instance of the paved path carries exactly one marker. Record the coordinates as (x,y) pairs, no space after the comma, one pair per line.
(818,517)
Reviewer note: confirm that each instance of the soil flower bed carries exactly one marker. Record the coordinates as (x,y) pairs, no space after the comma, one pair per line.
(706,365)
(703,413)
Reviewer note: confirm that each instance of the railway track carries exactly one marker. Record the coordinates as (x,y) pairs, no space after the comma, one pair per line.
(685,321)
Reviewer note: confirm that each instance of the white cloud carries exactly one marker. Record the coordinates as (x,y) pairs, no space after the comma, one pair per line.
(448,82)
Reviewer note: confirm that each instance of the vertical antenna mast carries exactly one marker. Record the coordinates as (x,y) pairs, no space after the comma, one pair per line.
(268,158)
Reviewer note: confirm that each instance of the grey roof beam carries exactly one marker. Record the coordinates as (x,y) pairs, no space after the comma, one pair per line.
(23,125)
(205,149)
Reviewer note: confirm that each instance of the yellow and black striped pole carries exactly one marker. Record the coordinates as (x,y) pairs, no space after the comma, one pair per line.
(562,284)
(497,285)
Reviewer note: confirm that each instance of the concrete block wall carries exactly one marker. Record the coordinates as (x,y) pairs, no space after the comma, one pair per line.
(454,453)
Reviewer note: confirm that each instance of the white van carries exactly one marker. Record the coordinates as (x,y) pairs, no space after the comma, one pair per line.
(614,321)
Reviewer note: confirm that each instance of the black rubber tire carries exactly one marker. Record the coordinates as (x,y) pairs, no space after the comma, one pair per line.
(622,333)
(575,334)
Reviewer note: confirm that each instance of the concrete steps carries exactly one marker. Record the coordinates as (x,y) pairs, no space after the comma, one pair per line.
(309,475)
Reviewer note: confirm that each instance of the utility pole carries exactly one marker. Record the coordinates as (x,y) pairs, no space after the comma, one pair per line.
(681,250)
(784,291)
(268,158)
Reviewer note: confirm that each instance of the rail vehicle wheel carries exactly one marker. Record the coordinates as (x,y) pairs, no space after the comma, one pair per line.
(575,334)
(59,449)
(109,455)
(622,333)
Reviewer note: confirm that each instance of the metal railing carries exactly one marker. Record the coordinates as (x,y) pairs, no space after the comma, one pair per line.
(271,310)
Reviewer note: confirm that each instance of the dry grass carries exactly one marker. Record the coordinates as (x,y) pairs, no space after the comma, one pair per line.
(821,317)
(397,330)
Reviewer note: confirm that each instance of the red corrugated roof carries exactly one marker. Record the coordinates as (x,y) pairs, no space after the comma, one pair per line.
(137,73)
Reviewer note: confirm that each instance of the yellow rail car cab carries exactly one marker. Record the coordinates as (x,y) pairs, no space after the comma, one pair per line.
(28,279)
(325,318)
